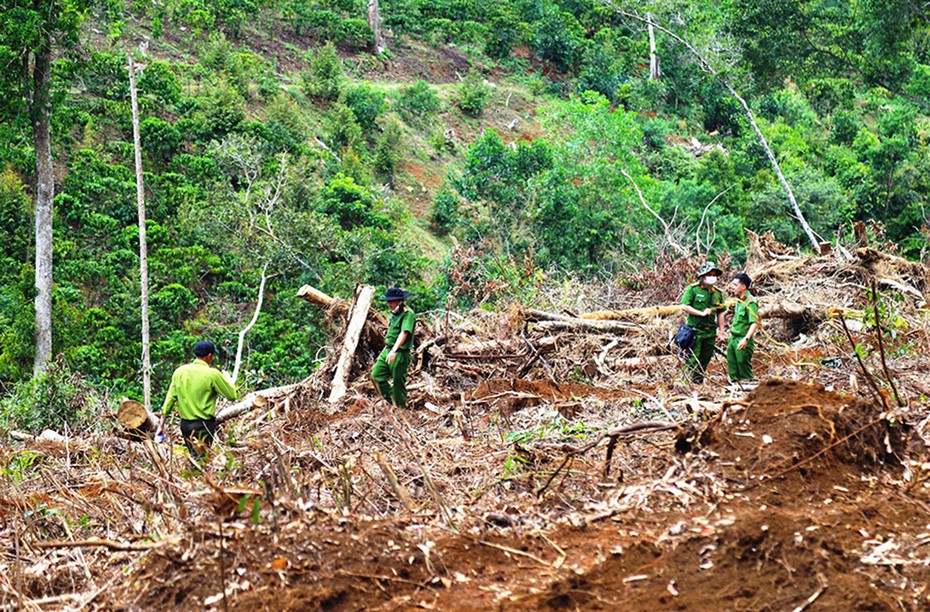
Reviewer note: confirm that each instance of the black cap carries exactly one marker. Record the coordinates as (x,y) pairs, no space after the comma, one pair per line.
(395,293)
(204,348)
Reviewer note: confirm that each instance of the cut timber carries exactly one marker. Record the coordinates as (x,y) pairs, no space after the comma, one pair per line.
(314,295)
(783,310)
(633,363)
(632,313)
(135,418)
(487,347)
(255,399)
(364,294)
(400,491)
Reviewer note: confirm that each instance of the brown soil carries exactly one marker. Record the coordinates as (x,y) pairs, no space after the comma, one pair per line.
(792,495)
(811,492)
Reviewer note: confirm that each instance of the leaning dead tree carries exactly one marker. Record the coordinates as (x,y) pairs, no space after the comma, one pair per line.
(708,68)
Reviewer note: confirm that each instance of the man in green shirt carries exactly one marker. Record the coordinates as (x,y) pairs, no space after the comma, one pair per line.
(195,387)
(746,323)
(390,370)
(704,305)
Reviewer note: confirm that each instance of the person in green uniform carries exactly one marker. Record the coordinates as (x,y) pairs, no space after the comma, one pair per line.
(195,387)
(746,323)
(390,369)
(704,305)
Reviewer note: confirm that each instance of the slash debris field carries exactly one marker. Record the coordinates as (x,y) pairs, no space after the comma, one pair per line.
(551,458)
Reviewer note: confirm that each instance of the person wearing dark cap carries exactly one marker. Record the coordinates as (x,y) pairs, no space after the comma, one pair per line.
(704,305)
(195,387)
(390,369)
(746,323)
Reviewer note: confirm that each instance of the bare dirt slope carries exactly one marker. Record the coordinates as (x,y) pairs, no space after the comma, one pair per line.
(563,487)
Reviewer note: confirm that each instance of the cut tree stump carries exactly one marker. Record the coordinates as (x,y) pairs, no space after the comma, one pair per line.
(134,418)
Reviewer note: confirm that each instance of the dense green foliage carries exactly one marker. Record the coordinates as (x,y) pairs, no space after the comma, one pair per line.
(274,142)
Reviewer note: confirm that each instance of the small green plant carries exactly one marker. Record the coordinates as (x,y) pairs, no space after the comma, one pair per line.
(513,465)
(561,426)
(473,94)
(324,80)
(20,464)
(445,212)
(418,100)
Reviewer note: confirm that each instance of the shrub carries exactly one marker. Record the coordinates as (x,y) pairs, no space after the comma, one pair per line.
(350,204)
(344,130)
(503,36)
(354,32)
(160,82)
(324,79)
(558,38)
(418,99)
(387,153)
(445,212)
(366,103)
(159,138)
(54,400)
(473,94)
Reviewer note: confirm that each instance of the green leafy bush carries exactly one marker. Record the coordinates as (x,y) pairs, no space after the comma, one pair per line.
(159,138)
(558,37)
(388,150)
(473,94)
(444,212)
(58,400)
(324,80)
(418,100)
(354,32)
(366,103)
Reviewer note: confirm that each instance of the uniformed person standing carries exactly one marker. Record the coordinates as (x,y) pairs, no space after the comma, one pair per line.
(390,369)
(704,305)
(195,388)
(746,323)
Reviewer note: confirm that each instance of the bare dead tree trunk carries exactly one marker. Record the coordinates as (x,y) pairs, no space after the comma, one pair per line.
(247,328)
(705,65)
(665,227)
(654,71)
(374,21)
(143,246)
(45,194)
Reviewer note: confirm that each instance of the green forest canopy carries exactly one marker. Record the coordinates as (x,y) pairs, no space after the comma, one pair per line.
(272,136)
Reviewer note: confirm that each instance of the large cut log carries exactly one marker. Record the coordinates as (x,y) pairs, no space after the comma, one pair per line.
(364,294)
(134,418)
(313,295)
(583,325)
(255,399)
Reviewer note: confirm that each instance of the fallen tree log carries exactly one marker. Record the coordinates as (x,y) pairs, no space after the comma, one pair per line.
(583,325)
(255,399)
(633,363)
(315,296)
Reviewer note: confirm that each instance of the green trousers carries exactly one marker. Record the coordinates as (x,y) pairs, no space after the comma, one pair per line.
(701,354)
(391,378)
(739,362)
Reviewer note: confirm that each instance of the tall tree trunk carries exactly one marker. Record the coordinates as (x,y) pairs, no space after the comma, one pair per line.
(654,71)
(143,246)
(705,65)
(374,22)
(45,194)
